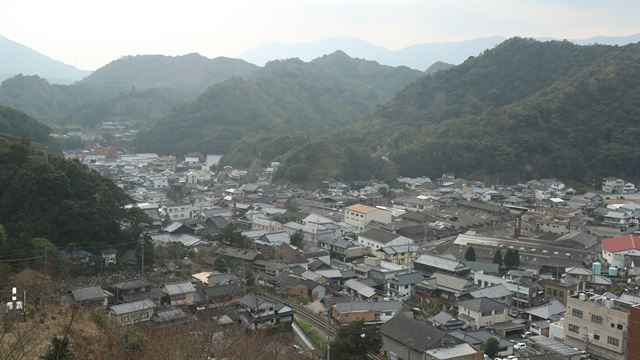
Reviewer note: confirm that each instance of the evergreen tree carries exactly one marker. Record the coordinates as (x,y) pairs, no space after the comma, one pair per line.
(221,264)
(60,348)
(491,347)
(516,258)
(353,341)
(497,257)
(297,239)
(470,255)
(508,258)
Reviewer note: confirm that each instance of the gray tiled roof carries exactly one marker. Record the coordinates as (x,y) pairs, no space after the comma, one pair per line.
(347,307)
(482,305)
(178,288)
(131,307)
(90,293)
(492,292)
(416,334)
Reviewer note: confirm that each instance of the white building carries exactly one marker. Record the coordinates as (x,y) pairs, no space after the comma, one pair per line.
(178,211)
(376,239)
(360,215)
(622,250)
(482,312)
(613,185)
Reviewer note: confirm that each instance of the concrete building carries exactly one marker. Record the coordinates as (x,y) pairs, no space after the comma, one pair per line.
(598,324)
(621,251)
(360,215)
(376,239)
(178,211)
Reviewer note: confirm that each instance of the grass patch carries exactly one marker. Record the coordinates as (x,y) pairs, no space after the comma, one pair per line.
(316,337)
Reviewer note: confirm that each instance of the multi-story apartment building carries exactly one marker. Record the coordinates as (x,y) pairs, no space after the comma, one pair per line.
(598,324)
(360,216)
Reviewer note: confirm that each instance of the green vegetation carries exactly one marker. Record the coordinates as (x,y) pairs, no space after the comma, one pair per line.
(525,109)
(44,195)
(287,96)
(18,124)
(491,347)
(512,259)
(497,257)
(470,255)
(61,348)
(354,340)
(297,239)
(314,335)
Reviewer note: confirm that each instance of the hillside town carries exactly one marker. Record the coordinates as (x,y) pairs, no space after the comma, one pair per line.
(443,268)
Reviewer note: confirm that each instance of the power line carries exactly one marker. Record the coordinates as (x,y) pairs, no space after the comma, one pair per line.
(81,248)
(23,259)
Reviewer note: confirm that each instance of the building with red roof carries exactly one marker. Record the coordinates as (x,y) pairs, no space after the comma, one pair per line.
(620,251)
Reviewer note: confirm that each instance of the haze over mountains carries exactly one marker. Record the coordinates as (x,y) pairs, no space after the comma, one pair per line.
(16,58)
(418,56)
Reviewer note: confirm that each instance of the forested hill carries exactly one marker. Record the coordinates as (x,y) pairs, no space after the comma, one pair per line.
(45,196)
(189,75)
(136,89)
(317,97)
(18,124)
(525,109)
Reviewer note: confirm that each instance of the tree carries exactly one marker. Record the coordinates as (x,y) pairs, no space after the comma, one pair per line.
(149,252)
(491,347)
(516,258)
(470,255)
(497,257)
(249,279)
(221,264)
(233,237)
(60,348)
(297,239)
(353,341)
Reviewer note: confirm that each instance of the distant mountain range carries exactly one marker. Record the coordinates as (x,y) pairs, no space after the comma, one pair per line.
(419,56)
(16,58)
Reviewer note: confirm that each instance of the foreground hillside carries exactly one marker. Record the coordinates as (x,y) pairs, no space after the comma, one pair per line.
(318,97)
(45,196)
(525,109)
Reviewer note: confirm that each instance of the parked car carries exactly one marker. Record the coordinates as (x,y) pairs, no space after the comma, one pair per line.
(520,346)
(526,334)
(584,355)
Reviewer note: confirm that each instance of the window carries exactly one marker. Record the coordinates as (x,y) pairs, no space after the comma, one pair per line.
(613,341)
(574,328)
(596,337)
(486,313)
(576,313)
(596,319)
(620,327)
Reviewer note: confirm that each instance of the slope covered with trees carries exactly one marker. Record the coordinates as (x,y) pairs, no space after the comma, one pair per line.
(525,109)
(578,124)
(45,196)
(188,75)
(318,97)
(18,124)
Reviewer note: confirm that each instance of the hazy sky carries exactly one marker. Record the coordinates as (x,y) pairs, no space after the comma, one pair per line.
(90,33)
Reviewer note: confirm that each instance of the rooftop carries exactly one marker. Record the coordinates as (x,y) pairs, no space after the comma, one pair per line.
(359,208)
(621,243)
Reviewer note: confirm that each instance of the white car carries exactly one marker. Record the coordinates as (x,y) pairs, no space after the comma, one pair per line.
(520,346)
(511,357)
(526,334)
(584,355)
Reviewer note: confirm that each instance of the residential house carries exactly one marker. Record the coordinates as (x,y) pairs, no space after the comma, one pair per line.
(362,291)
(483,312)
(377,312)
(257,312)
(342,248)
(109,257)
(402,286)
(497,292)
(221,296)
(90,296)
(398,254)
(404,338)
(133,312)
(444,288)
(136,290)
(293,256)
(170,317)
(179,294)
(376,239)
(429,264)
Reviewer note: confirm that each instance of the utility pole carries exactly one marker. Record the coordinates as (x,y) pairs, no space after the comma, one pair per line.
(142,257)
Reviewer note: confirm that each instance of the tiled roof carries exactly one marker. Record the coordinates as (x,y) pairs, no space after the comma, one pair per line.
(362,209)
(621,243)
